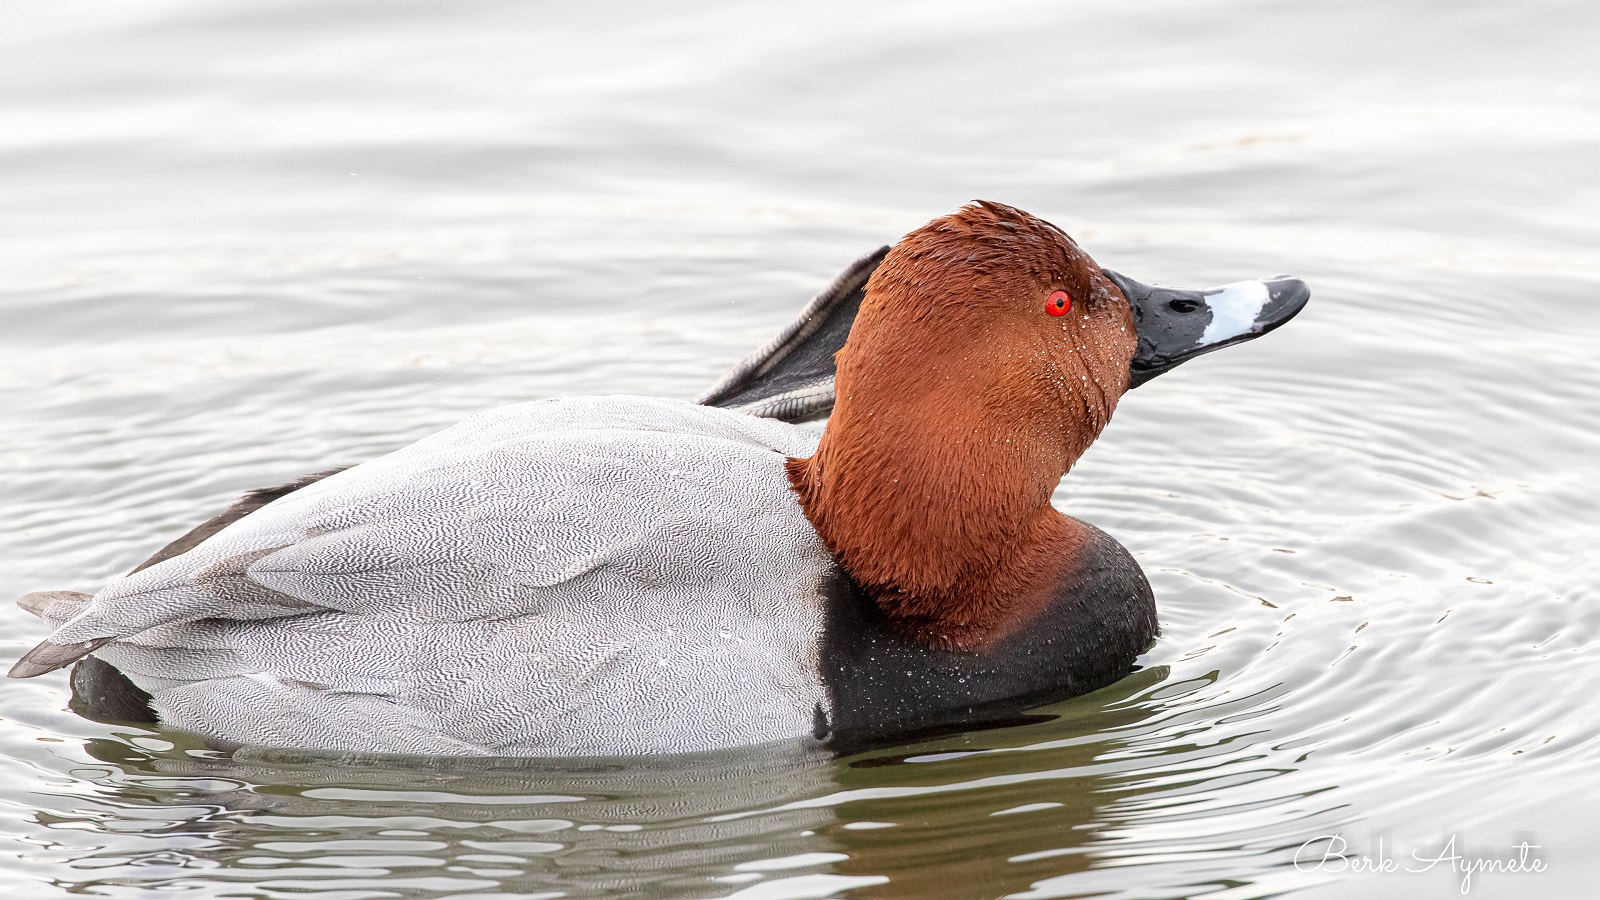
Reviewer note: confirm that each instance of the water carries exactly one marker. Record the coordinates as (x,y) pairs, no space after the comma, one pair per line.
(246,242)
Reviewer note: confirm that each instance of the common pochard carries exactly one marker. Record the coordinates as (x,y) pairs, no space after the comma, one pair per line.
(627,575)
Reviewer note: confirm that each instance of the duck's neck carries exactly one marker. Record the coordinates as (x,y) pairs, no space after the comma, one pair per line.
(938,504)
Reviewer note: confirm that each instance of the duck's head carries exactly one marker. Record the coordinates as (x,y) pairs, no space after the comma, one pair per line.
(989,352)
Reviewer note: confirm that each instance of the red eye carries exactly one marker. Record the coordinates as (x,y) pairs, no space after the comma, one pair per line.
(1058,303)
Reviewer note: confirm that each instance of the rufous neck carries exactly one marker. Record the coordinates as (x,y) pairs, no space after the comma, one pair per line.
(935,497)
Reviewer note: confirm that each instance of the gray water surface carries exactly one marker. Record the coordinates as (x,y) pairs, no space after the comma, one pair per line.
(243,242)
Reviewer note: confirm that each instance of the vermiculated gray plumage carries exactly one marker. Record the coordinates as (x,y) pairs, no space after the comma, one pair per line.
(579,576)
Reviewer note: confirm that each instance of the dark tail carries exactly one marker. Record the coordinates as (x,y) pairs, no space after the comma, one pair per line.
(55,607)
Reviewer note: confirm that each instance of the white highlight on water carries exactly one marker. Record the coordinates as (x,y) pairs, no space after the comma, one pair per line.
(1234,308)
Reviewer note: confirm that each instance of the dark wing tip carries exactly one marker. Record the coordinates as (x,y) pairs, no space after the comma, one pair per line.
(50,656)
(791,376)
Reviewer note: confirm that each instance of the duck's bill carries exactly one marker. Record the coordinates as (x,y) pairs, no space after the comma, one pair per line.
(1177,325)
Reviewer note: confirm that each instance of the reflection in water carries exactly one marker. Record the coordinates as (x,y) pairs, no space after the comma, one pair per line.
(676,826)
(434,827)
(1058,798)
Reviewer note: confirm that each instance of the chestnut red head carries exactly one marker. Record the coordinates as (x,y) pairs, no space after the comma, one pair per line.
(988,353)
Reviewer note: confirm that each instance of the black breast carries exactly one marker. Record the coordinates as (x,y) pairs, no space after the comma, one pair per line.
(882,686)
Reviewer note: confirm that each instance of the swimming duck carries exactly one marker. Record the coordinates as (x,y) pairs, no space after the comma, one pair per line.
(629,575)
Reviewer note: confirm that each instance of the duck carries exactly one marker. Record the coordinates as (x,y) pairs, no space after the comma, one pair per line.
(631,575)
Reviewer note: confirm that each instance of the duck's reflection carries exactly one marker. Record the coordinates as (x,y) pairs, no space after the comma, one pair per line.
(990,813)
(997,808)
